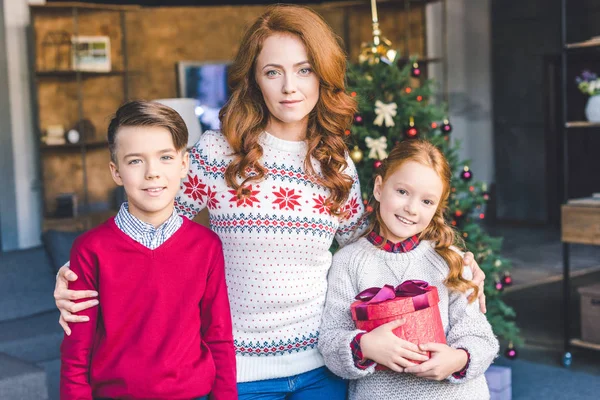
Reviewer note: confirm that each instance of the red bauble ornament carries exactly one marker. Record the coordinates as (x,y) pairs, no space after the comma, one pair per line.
(507,279)
(415,71)
(446,128)
(486,196)
(411,131)
(511,352)
(466,175)
(358,120)
(377,164)
(499,286)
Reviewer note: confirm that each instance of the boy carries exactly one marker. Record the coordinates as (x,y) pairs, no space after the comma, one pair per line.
(163,326)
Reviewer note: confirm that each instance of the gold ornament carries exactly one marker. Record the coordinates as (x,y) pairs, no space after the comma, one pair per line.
(381,48)
(356,155)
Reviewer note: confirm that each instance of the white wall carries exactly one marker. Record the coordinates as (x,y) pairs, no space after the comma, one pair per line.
(25,153)
(469,77)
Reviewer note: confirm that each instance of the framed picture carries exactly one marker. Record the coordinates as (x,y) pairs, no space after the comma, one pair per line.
(207,83)
(91,53)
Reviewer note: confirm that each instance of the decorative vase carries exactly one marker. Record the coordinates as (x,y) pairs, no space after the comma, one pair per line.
(592,109)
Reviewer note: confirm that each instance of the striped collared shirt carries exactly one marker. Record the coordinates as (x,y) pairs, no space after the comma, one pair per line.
(144,233)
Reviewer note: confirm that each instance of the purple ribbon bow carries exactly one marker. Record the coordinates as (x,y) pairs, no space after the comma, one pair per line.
(412,288)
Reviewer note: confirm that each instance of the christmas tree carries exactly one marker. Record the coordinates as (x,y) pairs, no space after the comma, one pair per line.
(394,104)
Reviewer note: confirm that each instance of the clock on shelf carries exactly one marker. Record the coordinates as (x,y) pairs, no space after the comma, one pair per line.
(73,136)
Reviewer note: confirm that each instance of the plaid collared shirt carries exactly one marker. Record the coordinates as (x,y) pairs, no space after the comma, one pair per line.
(400,247)
(144,233)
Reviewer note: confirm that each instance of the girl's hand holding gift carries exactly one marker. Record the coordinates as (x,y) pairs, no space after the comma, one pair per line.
(385,348)
(444,361)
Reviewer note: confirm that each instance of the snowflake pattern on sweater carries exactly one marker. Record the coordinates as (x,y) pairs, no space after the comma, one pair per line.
(276,240)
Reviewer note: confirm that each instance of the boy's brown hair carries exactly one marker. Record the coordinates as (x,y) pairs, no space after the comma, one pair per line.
(147,113)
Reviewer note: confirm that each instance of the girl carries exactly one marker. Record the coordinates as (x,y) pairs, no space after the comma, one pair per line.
(408,239)
(279,187)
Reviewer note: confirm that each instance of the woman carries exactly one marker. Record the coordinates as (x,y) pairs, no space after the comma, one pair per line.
(279,187)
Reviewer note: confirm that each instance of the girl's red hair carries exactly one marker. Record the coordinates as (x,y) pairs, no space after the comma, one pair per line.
(438,231)
(245,116)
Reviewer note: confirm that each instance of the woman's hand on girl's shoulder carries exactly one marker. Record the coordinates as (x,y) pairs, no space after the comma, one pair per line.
(478,278)
(64,297)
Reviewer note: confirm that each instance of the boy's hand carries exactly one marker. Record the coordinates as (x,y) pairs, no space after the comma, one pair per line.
(385,348)
(444,362)
(64,299)
(478,278)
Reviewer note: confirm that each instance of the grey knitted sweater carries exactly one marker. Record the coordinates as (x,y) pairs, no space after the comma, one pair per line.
(361,265)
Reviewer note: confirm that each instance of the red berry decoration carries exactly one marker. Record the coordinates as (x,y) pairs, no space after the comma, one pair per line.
(446,128)
(415,71)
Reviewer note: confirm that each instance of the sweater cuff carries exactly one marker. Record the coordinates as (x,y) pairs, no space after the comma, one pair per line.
(357,354)
(463,372)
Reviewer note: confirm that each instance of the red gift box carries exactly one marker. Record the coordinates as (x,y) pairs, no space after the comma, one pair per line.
(415,301)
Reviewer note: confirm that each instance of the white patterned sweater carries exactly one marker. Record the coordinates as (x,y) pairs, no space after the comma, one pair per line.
(362,265)
(276,244)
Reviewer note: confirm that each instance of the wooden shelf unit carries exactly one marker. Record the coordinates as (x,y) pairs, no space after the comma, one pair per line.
(584,344)
(66,97)
(85,6)
(581,45)
(580,223)
(73,146)
(78,223)
(582,124)
(73,74)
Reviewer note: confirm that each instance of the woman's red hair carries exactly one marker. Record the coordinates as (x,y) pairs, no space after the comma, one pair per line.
(245,116)
(444,236)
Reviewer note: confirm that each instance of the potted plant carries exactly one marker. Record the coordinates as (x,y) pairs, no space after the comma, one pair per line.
(588,83)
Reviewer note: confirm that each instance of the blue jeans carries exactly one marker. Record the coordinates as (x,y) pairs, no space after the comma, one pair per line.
(318,384)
